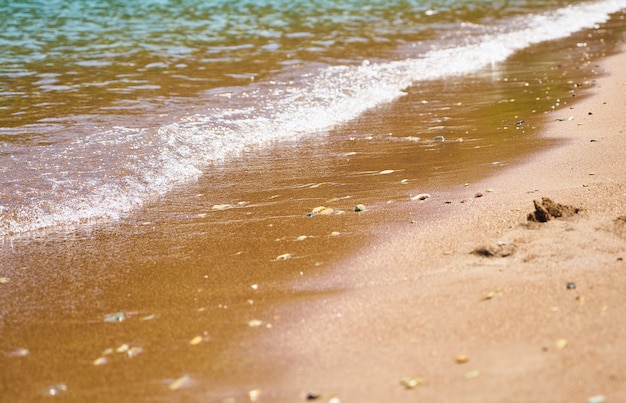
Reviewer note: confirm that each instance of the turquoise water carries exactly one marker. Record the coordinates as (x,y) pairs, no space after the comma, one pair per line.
(106,105)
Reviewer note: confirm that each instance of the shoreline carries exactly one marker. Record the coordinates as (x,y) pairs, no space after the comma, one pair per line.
(260,297)
(412,305)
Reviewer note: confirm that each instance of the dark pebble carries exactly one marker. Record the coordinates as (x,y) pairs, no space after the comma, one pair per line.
(478,195)
(312,396)
(571,286)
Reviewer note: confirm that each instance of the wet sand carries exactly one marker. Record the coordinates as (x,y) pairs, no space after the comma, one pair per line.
(480,304)
(229,286)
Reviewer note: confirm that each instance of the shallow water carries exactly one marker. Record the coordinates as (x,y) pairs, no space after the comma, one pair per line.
(107,106)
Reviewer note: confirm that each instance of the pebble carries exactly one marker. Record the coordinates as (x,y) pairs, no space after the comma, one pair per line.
(181,382)
(100,361)
(462,359)
(561,344)
(4,280)
(115,317)
(360,207)
(56,390)
(571,286)
(420,197)
(439,138)
(195,341)
(219,207)
(19,352)
(596,399)
(411,383)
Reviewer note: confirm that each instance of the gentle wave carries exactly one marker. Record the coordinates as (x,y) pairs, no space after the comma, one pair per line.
(131,166)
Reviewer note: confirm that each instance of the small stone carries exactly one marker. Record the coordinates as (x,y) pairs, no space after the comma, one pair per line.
(312,396)
(386,172)
(462,359)
(411,383)
(439,138)
(56,390)
(420,197)
(123,348)
(115,317)
(561,344)
(596,399)
(134,352)
(100,361)
(19,352)
(195,341)
(219,207)
(181,382)
(360,207)
(571,286)
(253,395)
(255,323)
(477,195)
(4,280)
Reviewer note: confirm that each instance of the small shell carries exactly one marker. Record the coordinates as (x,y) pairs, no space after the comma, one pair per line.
(219,207)
(420,197)
(284,256)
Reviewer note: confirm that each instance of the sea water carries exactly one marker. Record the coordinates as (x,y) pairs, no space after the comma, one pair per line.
(107,105)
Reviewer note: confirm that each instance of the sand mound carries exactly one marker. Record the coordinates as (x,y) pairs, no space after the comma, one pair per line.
(547,210)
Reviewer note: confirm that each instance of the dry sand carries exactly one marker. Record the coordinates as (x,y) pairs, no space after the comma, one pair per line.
(541,320)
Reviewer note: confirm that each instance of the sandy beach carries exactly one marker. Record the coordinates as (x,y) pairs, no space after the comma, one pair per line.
(262,283)
(480,304)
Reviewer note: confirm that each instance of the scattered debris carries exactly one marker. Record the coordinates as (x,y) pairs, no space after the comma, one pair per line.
(547,210)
